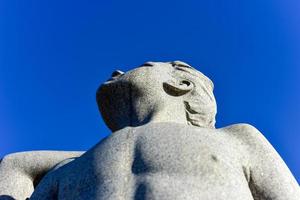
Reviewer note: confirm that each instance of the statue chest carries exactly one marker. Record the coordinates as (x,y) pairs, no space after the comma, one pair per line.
(169,150)
(137,159)
(184,152)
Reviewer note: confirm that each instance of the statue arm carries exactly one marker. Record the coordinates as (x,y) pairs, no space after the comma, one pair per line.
(21,172)
(269,177)
(48,188)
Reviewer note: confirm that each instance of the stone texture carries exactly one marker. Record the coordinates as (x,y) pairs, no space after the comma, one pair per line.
(164,146)
(21,172)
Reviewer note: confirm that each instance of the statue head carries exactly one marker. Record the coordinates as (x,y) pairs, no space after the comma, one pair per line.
(157,92)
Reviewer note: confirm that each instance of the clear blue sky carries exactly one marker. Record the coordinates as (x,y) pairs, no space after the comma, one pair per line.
(54,54)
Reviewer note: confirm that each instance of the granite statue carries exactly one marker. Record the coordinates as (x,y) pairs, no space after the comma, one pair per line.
(164,145)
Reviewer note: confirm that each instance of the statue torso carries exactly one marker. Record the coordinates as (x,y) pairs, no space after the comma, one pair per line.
(158,161)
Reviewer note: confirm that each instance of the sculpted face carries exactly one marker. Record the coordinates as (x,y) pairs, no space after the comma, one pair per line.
(145,79)
(127,98)
(134,97)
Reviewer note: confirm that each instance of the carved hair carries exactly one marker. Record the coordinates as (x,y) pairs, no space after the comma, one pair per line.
(200,104)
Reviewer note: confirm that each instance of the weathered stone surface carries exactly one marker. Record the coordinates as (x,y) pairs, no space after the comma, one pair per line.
(164,146)
(21,172)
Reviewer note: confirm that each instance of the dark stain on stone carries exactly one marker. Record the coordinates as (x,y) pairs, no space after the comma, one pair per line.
(214,158)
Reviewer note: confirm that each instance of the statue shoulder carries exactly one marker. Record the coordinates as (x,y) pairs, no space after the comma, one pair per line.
(266,172)
(241,128)
(246,134)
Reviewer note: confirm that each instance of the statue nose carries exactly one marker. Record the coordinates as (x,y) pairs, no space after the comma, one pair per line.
(117,73)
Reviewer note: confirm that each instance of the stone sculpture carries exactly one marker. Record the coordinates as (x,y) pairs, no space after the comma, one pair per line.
(164,145)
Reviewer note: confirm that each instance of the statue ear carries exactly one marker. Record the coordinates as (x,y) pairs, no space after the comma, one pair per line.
(178,88)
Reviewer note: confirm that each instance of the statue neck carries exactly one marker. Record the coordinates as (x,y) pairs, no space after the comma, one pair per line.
(174,114)
(160,112)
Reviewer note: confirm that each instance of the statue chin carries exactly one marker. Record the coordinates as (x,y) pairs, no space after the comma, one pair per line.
(113,102)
